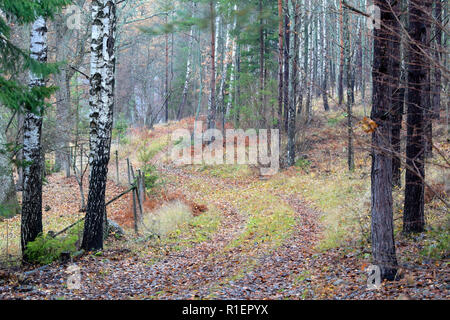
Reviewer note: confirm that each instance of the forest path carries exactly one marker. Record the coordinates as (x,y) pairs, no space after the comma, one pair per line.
(263,246)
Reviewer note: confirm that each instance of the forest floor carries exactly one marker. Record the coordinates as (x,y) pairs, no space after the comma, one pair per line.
(300,234)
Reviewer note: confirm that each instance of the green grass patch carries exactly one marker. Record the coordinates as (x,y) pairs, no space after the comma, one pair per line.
(437,244)
(227,171)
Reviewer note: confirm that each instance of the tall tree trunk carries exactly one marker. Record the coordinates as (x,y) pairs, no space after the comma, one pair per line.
(341,55)
(224,74)
(413,216)
(287,32)
(383,245)
(188,75)
(295,13)
(166,81)
(62,96)
(31,224)
(261,62)
(212,96)
(280,64)
(398,96)
(427,93)
(101,103)
(437,86)
(325,54)
(348,68)
(233,67)
(238,82)
(307,58)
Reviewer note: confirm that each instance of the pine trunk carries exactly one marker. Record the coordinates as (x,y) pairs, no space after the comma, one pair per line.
(413,216)
(212,96)
(294,11)
(383,245)
(341,55)
(437,56)
(348,68)
(398,95)
(287,29)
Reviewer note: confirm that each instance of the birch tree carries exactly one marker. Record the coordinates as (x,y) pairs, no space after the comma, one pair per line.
(31,224)
(101,103)
(188,75)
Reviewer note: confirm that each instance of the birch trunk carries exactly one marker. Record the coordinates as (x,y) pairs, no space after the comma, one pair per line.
(233,66)
(188,75)
(223,76)
(101,103)
(31,224)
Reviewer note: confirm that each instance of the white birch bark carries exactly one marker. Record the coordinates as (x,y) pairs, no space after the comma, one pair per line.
(225,60)
(233,65)
(188,74)
(31,224)
(101,103)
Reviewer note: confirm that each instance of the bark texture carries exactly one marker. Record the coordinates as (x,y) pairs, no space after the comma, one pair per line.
(413,216)
(101,103)
(383,246)
(31,224)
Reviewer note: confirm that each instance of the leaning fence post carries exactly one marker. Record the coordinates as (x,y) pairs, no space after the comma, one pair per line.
(136,180)
(134,196)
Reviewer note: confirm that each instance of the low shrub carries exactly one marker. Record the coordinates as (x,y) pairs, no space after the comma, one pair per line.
(45,249)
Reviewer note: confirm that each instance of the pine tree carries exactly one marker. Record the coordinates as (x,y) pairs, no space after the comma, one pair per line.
(383,246)
(413,214)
